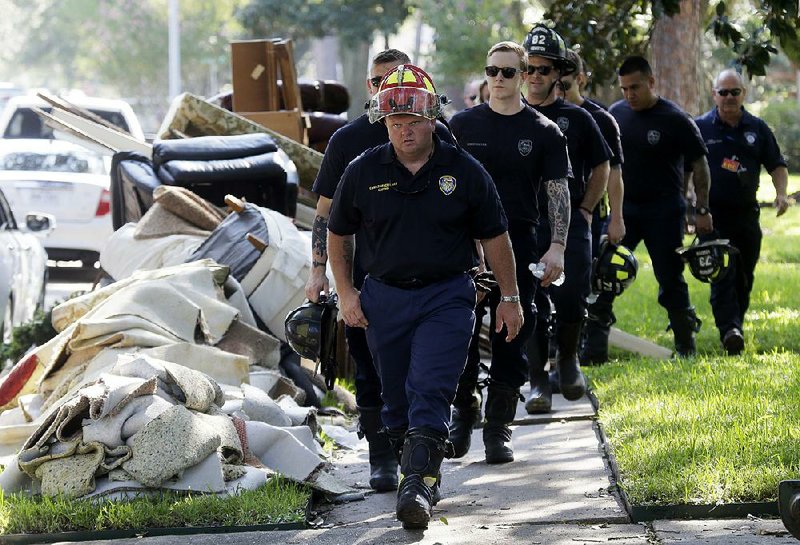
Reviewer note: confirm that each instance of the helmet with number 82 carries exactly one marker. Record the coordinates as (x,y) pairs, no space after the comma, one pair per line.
(406,89)
(545,42)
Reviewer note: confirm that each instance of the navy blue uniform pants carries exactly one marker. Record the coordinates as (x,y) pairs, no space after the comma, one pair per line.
(730,297)
(510,359)
(659,224)
(419,340)
(367,381)
(569,298)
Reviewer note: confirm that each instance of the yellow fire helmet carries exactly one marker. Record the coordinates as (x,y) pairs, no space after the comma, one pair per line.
(406,89)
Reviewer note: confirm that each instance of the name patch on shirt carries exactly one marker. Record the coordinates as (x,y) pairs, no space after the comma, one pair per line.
(447,184)
(382,187)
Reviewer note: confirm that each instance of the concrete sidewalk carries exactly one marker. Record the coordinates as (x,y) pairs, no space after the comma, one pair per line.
(555,492)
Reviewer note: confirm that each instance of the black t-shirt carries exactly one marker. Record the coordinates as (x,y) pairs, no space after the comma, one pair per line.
(520,151)
(735,156)
(587,147)
(349,142)
(608,128)
(422,225)
(656,142)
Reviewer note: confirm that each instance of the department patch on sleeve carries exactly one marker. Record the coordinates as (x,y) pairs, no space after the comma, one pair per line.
(447,184)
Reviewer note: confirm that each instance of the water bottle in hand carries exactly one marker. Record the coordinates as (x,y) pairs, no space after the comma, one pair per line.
(538,271)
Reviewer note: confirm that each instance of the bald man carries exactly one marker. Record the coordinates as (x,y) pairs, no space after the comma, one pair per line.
(739,144)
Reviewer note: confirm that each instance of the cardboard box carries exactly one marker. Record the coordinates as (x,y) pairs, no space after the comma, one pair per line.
(289,123)
(254,69)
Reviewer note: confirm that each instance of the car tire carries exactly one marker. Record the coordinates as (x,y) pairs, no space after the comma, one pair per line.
(7,325)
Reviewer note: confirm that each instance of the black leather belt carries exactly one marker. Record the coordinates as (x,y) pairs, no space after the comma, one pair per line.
(413,283)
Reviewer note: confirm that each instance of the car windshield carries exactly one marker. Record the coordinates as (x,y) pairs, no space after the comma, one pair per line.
(81,162)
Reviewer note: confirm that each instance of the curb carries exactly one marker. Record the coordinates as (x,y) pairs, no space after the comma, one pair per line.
(95,535)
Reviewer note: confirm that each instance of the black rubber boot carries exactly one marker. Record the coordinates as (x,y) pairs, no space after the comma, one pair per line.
(466,414)
(422,454)
(466,405)
(684,324)
(540,400)
(595,335)
(382,457)
(501,406)
(570,379)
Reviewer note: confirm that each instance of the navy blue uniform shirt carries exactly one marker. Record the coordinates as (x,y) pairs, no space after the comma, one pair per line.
(587,147)
(520,151)
(735,156)
(656,142)
(608,128)
(349,142)
(423,225)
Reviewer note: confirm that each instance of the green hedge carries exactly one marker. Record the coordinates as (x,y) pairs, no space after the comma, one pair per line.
(783,117)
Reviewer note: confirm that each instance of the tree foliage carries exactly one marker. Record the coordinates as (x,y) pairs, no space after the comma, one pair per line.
(753,49)
(464,30)
(609,30)
(353,21)
(121,47)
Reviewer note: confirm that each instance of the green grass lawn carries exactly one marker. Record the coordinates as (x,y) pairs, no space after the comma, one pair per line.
(713,429)
(766,191)
(279,501)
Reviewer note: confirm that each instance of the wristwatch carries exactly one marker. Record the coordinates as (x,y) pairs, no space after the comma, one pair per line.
(509,298)
(701,211)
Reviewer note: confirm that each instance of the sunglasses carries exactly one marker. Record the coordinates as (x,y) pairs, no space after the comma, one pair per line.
(375,81)
(543,70)
(507,71)
(725,92)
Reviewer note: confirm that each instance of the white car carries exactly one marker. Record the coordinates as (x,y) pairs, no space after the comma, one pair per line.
(18,120)
(67,181)
(23,269)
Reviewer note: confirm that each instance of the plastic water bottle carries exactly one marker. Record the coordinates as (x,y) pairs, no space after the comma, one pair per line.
(538,271)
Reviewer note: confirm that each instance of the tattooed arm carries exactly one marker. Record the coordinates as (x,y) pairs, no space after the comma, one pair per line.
(318,280)
(341,251)
(558,214)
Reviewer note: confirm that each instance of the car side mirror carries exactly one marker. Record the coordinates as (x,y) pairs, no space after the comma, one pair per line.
(40,223)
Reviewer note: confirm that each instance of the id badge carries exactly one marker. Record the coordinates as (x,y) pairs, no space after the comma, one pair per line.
(731,164)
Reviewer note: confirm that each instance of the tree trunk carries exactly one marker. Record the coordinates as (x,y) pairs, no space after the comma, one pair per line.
(675,47)
(355,65)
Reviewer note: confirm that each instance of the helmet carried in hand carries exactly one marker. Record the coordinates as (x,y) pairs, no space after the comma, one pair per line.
(545,42)
(406,89)
(311,332)
(614,268)
(708,261)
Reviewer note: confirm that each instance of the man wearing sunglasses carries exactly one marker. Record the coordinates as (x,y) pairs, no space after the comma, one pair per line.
(414,207)
(523,152)
(589,155)
(345,145)
(739,144)
(658,140)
